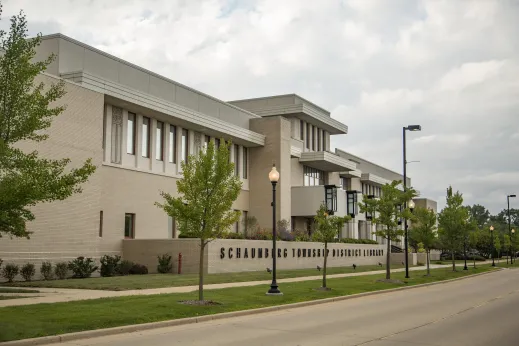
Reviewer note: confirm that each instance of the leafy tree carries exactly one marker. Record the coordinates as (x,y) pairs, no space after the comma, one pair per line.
(385,212)
(423,231)
(474,238)
(497,245)
(452,222)
(327,228)
(479,214)
(207,191)
(26,111)
(507,245)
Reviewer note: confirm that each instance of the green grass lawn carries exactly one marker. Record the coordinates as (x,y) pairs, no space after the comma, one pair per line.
(29,321)
(138,282)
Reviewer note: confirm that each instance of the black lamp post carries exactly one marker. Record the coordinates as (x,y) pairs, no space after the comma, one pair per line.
(408,128)
(274,178)
(492,242)
(509,228)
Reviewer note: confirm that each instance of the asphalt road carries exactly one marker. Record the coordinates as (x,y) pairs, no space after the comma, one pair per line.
(477,311)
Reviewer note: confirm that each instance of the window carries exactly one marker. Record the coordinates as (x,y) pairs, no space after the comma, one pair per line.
(324,140)
(145,137)
(172,144)
(237,160)
(345,183)
(301,129)
(217,143)
(313,137)
(101,223)
(245,160)
(237,225)
(129,226)
(313,177)
(206,142)
(245,220)
(318,140)
(131,132)
(185,148)
(159,154)
(308,136)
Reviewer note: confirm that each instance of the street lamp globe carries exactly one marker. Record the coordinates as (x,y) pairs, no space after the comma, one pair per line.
(274,174)
(513,231)
(411,204)
(491,228)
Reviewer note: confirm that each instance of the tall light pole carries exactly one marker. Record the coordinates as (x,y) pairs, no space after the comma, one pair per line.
(509,228)
(274,178)
(404,129)
(492,242)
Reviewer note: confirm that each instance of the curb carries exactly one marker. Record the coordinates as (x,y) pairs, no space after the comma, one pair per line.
(190,320)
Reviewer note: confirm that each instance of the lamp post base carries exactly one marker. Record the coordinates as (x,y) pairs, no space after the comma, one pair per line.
(274,291)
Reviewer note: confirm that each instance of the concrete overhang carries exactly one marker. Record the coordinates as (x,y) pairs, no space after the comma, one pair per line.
(351,174)
(139,102)
(373,179)
(326,161)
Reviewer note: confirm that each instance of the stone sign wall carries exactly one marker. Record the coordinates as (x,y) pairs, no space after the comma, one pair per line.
(230,255)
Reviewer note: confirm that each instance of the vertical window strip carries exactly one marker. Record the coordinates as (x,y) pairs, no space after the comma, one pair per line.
(146,137)
(172,144)
(159,147)
(245,162)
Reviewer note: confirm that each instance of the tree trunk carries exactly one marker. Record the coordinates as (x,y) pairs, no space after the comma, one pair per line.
(201,271)
(388,260)
(474,260)
(428,268)
(453,261)
(324,266)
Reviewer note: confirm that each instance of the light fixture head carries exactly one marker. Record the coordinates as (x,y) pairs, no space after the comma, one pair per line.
(491,228)
(512,195)
(414,127)
(411,204)
(274,174)
(513,231)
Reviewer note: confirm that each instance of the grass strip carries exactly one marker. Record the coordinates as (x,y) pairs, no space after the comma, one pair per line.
(30,321)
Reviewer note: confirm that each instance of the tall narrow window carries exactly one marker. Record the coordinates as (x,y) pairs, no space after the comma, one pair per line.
(324,140)
(301,129)
(129,226)
(245,161)
(172,144)
(237,225)
(308,136)
(159,141)
(206,141)
(185,144)
(245,221)
(101,223)
(313,137)
(318,140)
(237,160)
(117,134)
(217,143)
(130,138)
(146,137)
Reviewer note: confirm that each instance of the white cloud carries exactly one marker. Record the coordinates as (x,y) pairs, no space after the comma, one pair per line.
(450,66)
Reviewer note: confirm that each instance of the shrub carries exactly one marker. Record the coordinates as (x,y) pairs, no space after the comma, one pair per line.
(10,271)
(28,271)
(165,264)
(109,265)
(301,235)
(358,241)
(186,235)
(261,234)
(138,269)
(61,270)
(46,271)
(82,267)
(124,267)
(233,235)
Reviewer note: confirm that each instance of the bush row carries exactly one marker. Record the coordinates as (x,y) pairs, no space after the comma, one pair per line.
(80,267)
(285,236)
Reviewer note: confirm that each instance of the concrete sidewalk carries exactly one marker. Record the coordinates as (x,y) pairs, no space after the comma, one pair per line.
(56,295)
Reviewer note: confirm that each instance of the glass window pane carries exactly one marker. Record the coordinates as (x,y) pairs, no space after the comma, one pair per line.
(245,162)
(184,145)
(130,140)
(145,137)
(159,147)
(172,144)
(237,160)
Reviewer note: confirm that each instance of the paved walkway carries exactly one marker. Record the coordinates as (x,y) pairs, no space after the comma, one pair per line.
(55,295)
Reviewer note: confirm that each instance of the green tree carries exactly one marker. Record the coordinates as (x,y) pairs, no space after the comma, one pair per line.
(423,231)
(385,212)
(497,245)
(207,191)
(26,111)
(452,222)
(474,239)
(327,228)
(507,244)
(479,214)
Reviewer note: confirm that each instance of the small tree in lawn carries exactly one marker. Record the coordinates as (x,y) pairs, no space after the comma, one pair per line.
(506,245)
(207,191)
(497,246)
(385,212)
(474,238)
(27,109)
(452,222)
(423,230)
(327,228)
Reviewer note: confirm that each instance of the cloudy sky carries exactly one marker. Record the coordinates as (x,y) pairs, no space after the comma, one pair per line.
(451,66)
